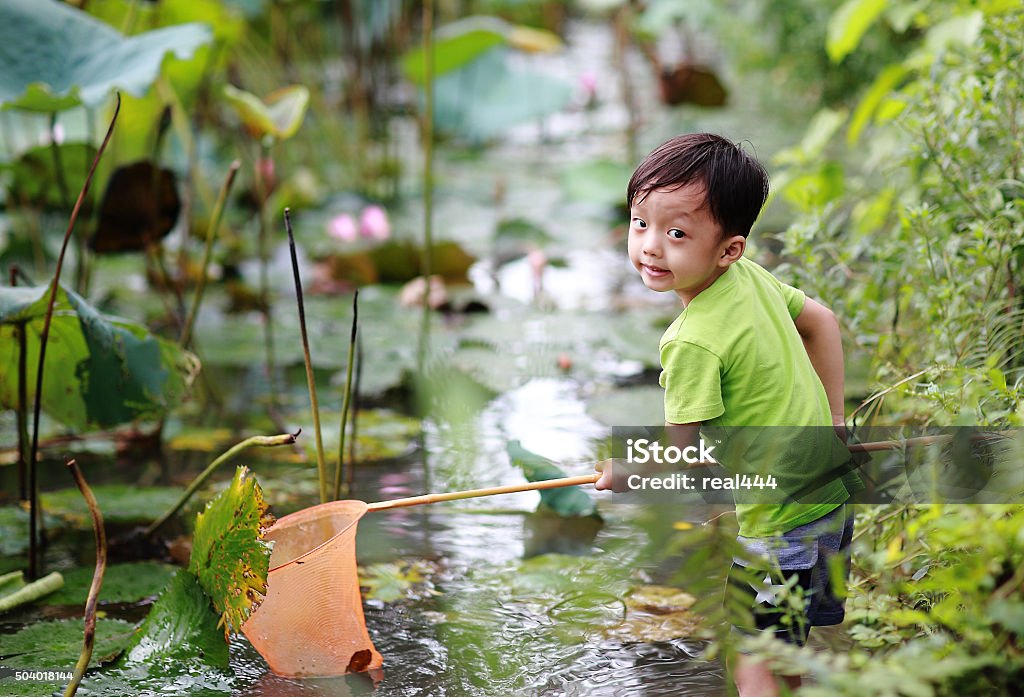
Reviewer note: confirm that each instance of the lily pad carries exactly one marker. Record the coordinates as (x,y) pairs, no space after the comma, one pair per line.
(100,371)
(121,583)
(601,182)
(56,644)
(178,644)
(93,58)
(229,556)
(629,406)
(120,503)
(568,501)
(14,529)
(657,613)
(391,581)
(489,96)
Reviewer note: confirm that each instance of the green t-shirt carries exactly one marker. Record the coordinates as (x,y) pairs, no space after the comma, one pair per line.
(734,360)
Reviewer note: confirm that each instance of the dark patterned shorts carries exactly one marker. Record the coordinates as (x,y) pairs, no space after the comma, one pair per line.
(791,583)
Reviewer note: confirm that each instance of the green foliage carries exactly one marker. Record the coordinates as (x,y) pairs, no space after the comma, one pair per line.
(279,114)
(100,371)
(567,502)
(55,644)
(126,582)
(120,503)
(178,644)
(102,59)
(921,252)
(455,46)
(229,556)
(391,581)
(491,95)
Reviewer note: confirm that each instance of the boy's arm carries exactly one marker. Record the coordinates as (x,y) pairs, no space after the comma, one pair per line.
(819,329)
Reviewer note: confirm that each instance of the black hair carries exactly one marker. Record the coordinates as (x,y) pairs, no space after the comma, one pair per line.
(735,184)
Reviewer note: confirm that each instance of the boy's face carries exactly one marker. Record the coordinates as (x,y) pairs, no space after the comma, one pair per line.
(676,245)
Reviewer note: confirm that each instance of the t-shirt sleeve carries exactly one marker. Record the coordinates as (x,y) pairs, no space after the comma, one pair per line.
(692,378)
(794,298)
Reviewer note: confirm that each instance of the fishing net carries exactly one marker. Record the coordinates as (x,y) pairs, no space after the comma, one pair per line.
(311,622)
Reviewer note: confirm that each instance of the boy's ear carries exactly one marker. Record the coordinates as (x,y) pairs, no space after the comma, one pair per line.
(732,249)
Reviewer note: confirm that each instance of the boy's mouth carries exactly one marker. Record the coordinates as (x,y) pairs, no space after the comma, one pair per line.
(654,271)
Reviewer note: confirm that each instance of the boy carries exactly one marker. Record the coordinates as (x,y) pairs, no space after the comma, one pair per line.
(746,352)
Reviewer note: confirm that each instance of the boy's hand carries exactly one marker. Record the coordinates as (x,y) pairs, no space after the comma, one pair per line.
(613,475)
(839,424)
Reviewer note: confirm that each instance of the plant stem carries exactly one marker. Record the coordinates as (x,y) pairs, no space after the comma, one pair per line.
(427,137)
(65,199)
(21,413)
(211,235)
(348,396)
(268,327)
(97,579)
(44,335)
(350,479)
(321,467)
(265,441)
(32,591)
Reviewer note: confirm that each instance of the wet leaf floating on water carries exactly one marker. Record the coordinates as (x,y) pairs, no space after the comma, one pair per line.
(391,581)
(657,613)
(94,58)
(229,556)
(121,503)
(126,582)
(139,208)
(56,644)
(179,644)
(101,371)
(568,502)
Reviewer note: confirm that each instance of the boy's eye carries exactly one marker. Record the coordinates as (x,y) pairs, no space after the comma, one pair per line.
(676,234)
(639,224)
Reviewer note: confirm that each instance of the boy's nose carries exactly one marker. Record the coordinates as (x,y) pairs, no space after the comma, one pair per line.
(651,248)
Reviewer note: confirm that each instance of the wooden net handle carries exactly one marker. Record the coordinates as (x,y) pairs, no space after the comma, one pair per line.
(491,491)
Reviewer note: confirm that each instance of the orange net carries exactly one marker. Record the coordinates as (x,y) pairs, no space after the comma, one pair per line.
(311,622)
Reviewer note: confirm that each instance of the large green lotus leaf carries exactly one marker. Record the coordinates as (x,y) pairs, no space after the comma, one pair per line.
(177,650)
(456,45)
(122,583)
(55,645)
(100,371)
(487,96)
(56,57)
(459,43)
(229,556)
(629,406)
(120,503)
(33,178)
(571,501)
(601,182)
(280,114)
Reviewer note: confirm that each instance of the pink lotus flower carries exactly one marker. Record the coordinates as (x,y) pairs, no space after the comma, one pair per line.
(373,223)
(342,227)
(588,85)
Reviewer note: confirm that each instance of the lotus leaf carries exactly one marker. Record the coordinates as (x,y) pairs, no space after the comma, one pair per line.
(229,555)
(56,57)
(280,114)
(569,501)
(100,371)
